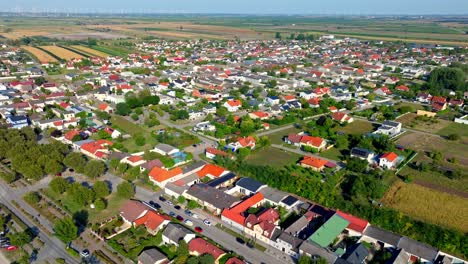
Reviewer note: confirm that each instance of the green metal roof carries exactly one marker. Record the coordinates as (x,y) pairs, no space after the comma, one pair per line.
(329,231)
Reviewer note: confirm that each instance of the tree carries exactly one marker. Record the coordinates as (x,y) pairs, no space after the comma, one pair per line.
(122,109)
(20,239)
(58,185)
(304,259)
(75,161)
(140,140)
(52,167)
(277,35)
(183,249)
(206,259)
(356,165)
(342,142)
(114,164)
(181,200)
(125,190)
(447,78)
(453,137)
(66,230)
(101,189)
(8,177)
(100,204)
(40,81)
(81,194)
(243,153)
(32,197)
(193,204)
(95,168)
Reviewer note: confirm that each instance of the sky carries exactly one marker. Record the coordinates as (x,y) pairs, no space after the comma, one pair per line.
(330,7)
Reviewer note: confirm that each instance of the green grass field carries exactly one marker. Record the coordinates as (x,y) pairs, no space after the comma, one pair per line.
(333,153)
(277,138)
(454,128)
(273,157)
(112,50)
(357,127)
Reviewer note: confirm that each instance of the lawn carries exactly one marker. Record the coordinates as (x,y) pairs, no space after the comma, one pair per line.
(427,125)
(428,205)
(334,154)
(273,156)
(133,129)
(114,203)
(454,128)
(358,127)
(277,137)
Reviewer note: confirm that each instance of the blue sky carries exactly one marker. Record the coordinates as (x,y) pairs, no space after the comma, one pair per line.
(333,7)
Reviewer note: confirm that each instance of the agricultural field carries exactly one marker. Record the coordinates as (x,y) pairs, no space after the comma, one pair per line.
(62,53)
(39,54)
(431,125)
(90,51)
(428,205)
(273,157)
(358,127)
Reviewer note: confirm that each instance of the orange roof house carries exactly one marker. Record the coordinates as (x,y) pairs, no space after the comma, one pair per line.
(342,117)
(161,176)
(199,246)
(97,149)
(315,142)
(212,171)
(314,163)
(235,214)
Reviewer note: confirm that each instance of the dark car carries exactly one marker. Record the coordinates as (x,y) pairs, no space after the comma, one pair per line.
(180,218)
(198,229)
(162,199)
(187,212)
(240,240)
(154,204)
(177,207)
(172,214)
(250,245)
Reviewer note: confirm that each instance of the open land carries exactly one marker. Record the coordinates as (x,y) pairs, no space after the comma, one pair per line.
(90,51)
(273,157)
(429,205)
(62,53)
(39,54)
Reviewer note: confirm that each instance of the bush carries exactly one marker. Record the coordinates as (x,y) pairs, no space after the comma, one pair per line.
(32,197)
(140,140)
(453,137)
(8,177)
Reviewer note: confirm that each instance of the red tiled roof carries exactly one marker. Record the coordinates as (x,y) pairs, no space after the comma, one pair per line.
(201,246)
(134,159)
(161,175)
(210,169)
(402,88)
(216,151)
(246,141)
(103,106)
(235,213)
(390,156)
(314,141)
(314,162)
(261,114)
(234,103)
(355,223)
(70,134)
(234,260)
(95,146)
(338,116)
(152,220)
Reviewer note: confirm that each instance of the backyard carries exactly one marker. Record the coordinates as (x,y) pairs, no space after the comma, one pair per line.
(273,156)
(277,137)
(358,127)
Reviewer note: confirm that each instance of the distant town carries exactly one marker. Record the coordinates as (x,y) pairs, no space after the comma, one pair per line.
(296,149)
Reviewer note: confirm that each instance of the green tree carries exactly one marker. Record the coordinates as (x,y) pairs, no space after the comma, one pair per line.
(8,177)
(52,167)
(66,230)
(304,259)
(95,168)
(114,163)
(206,259)
(101,189)
(453,137)
(193,204)
(75,161)
(20,239)
(125,190)
(183,249)
(58,185)
(140,140)
(32,197)
(100,204)
(122,109)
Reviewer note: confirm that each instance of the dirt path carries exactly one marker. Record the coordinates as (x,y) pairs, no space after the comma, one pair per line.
(441,188)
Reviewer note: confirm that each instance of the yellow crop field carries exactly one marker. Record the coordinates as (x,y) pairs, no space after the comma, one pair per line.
(429,205)
(39,54)
(62,53)
(90,51)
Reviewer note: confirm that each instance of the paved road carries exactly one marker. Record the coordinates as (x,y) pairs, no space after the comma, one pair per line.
(53,247)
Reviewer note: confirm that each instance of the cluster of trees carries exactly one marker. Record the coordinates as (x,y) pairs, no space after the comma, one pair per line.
(132,101)
(357,188)
(293,36)
(448,78)
(183,256)
(90,168)
(28,158)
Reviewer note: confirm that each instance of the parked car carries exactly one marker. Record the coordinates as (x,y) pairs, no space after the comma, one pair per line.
(169,202)
(11,248)
(84,253)
(154,204)
(187,212)
(240,240)
(172,214)
(177,207)
(198,229)
(207,222)
(162,199)
(188,222)
(180,218)
(194,215)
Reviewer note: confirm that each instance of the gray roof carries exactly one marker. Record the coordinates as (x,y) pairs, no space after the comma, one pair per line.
(194,166)
(213,196)
(273,194)
(176,188)
(150,256)
(289,200)
(313,250)
(382,235)
(249,184)
(296,227)
(176,232)
(418,249)
(391,123)
(291,240)
(399,257)
(81,142)
(356,254)
(165,147)
(118,155)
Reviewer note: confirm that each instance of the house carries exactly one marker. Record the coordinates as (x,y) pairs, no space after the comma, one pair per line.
(199,246)
(288,244)
(293,139)
(211,153)
(165,149)
(204,126)
(137,213)
(388,160)
(401,257)
(314,163)
(316,143)
(152,256)
(223,181)
(389,128)
(379,236)
(243,142)
(235,215)
(96,149)
(272,196)
(363,154)
(105,108)
(356,254)
(331,229)
(456,102)
(289,202)
(233,105)
(248,186)
(211,171)
(424,98)
(419,250)
(402,88)
(356,226)
(259,115)
(262,225)
(272,100)
(17,121)
(213,199)
(439,103)
(173,233)
(161,177)
(133,161)
(311,250)
(149,165)
(383,91)
(341,117)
